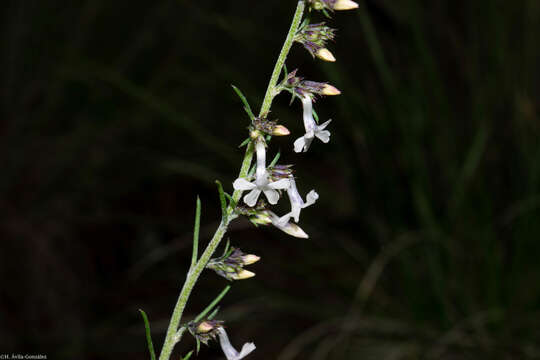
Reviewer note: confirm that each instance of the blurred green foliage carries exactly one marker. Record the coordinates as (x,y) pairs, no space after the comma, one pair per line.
(424,244)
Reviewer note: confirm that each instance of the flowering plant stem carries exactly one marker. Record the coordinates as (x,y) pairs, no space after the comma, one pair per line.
(174,334)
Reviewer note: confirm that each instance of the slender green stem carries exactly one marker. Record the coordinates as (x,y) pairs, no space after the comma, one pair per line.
(270,91)
(173,335)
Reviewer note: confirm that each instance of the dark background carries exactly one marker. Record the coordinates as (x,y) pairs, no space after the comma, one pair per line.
(424,243)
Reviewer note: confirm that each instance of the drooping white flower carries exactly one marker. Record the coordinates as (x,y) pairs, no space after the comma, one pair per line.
(297,203)
(262,182)
(229,351)
(283,223)
(312,129)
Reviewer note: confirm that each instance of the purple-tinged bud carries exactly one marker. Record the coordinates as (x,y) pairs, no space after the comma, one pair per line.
(300,87)
(314,37)
(230,265)
(263,125)
(205,330)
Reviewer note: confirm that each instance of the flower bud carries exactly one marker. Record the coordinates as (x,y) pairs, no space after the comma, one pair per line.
(300,87)
(325,54)
(280,130)
(250,259)
(205,330)
(330,90)
(345,5)
(263,125)
(314,37)
(230,265)
(260,218)
(243,274)
(332,5)
(205,327)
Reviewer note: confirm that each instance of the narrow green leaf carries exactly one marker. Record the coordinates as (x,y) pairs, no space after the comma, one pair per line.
(198,345)
(232,203)
(148,335)
(222,200)
(226,247)
(196,233)
(285,72)
(276,158)
(188,355)
(252,170)
(245,142)
(212,304)
(214,313)
(247,108)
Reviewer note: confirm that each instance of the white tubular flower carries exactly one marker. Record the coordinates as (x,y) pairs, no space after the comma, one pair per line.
(262,182)
(229,351)
(286,226)
(312,129)
(297,203)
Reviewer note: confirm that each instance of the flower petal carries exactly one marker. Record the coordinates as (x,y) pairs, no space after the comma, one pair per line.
(309,139)
(251,198)
(324,135)
(311,197)
(280,184)
(243,184)
(324,125)
(299,144)
(246,350)
(272,195)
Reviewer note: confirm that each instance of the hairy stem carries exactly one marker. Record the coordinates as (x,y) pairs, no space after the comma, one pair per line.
(173,335)
(270,90)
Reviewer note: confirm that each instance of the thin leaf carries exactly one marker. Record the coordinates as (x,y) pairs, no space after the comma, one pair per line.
(214,313)
(222,200)
(188,355)
(245,142)
(275,160)
(232,203)
(212,304)
(148,335)
(196,233)
(247,108)
(285,72)
(252,170)
(198,345)
(226,247)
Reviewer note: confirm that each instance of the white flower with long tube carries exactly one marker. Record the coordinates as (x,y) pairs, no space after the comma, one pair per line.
(229,351)
(262,182)
(297,203)
(312,129)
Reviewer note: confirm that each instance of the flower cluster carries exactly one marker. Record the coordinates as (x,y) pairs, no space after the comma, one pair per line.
(314,38)
(276,180)
(231,264)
